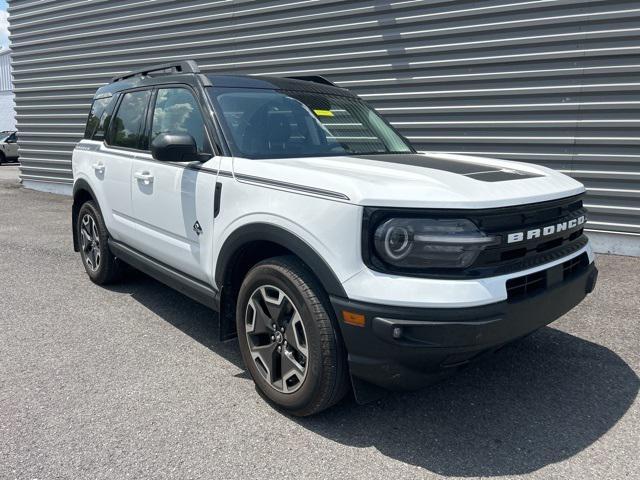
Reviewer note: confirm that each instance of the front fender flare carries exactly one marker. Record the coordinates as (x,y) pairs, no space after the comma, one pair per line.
(280,236)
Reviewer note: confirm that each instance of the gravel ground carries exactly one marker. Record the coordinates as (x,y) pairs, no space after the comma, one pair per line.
(130,382)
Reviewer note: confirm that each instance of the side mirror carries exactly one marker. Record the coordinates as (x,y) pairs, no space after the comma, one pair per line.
(174,147)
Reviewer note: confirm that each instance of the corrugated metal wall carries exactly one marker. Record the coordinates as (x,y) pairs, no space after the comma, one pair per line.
(553,82)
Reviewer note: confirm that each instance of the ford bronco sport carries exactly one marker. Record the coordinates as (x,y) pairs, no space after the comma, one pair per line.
(339,256)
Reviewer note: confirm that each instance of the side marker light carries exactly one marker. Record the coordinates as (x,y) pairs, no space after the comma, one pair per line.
(355,319)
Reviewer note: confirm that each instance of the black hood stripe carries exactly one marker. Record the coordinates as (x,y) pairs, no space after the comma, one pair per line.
(472,170)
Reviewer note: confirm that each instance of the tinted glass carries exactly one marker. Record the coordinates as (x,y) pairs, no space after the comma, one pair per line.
(128,123)
(272,124)
(97,117)
(177,111)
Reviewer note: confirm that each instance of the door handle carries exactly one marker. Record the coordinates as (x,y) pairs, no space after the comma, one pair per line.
(98,167)
(144,177)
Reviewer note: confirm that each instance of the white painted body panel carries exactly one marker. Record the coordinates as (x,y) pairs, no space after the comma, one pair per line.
(165,210)
(376,183)
(373,287)
(329,227)
(10,150)
(163,218)
(109,174)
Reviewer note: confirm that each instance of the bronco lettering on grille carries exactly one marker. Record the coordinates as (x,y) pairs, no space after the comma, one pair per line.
(546,231)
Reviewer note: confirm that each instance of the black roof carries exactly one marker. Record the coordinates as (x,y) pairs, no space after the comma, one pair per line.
(276,83)
(235,81)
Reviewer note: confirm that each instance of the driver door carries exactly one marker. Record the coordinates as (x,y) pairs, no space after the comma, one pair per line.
(173,202)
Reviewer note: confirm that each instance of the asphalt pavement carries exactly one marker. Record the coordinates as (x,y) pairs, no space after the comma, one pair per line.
(130,381)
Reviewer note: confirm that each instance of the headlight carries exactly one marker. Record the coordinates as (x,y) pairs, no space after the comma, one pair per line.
(430,243)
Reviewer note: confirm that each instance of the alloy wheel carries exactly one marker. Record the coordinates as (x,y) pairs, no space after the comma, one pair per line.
(90,242)
(277,339)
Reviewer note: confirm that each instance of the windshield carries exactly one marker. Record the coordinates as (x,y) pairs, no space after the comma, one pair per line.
(276,124)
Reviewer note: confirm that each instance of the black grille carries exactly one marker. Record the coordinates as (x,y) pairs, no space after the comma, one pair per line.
(504,257)
(539,281)
(526,285)
(575,266)
(501,259)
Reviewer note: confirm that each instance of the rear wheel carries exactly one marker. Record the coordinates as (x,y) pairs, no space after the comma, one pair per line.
(3,159)
(288,339)
(100,264)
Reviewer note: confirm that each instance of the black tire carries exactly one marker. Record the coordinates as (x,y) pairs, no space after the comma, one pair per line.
(3,159)
(103,267)
(326,378)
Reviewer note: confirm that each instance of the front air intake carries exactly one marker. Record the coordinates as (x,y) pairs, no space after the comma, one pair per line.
(526,285)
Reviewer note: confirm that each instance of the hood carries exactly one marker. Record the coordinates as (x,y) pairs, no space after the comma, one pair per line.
(426,180)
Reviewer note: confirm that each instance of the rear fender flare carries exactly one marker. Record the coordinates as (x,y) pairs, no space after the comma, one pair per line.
(80,189)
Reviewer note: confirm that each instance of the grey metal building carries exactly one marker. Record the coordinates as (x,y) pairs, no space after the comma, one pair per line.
(553,82)
(7,113)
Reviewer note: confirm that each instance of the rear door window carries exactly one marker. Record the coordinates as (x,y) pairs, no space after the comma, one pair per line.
(127,126)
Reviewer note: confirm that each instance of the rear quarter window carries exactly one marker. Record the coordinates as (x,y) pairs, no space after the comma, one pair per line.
(99,118)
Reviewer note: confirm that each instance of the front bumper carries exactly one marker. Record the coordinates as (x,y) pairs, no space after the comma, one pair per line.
(402,348)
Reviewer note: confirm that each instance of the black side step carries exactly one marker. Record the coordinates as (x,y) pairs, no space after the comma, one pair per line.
(189,286)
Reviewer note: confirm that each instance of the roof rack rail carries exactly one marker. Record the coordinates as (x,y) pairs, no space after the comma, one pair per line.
(188,66)
(314,79)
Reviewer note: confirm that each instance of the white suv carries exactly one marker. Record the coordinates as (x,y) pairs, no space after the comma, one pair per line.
(339,256)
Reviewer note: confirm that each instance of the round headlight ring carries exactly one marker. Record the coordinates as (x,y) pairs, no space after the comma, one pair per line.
(398,242)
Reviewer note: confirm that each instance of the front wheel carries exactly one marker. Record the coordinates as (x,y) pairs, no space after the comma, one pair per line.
(288,339)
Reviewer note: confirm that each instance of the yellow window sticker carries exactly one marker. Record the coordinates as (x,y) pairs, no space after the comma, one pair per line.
(323,113)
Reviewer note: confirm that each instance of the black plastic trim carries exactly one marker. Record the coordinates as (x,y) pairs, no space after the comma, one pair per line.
(185,284)
(80,185)
(278,235)
(408,347)
(217,197)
